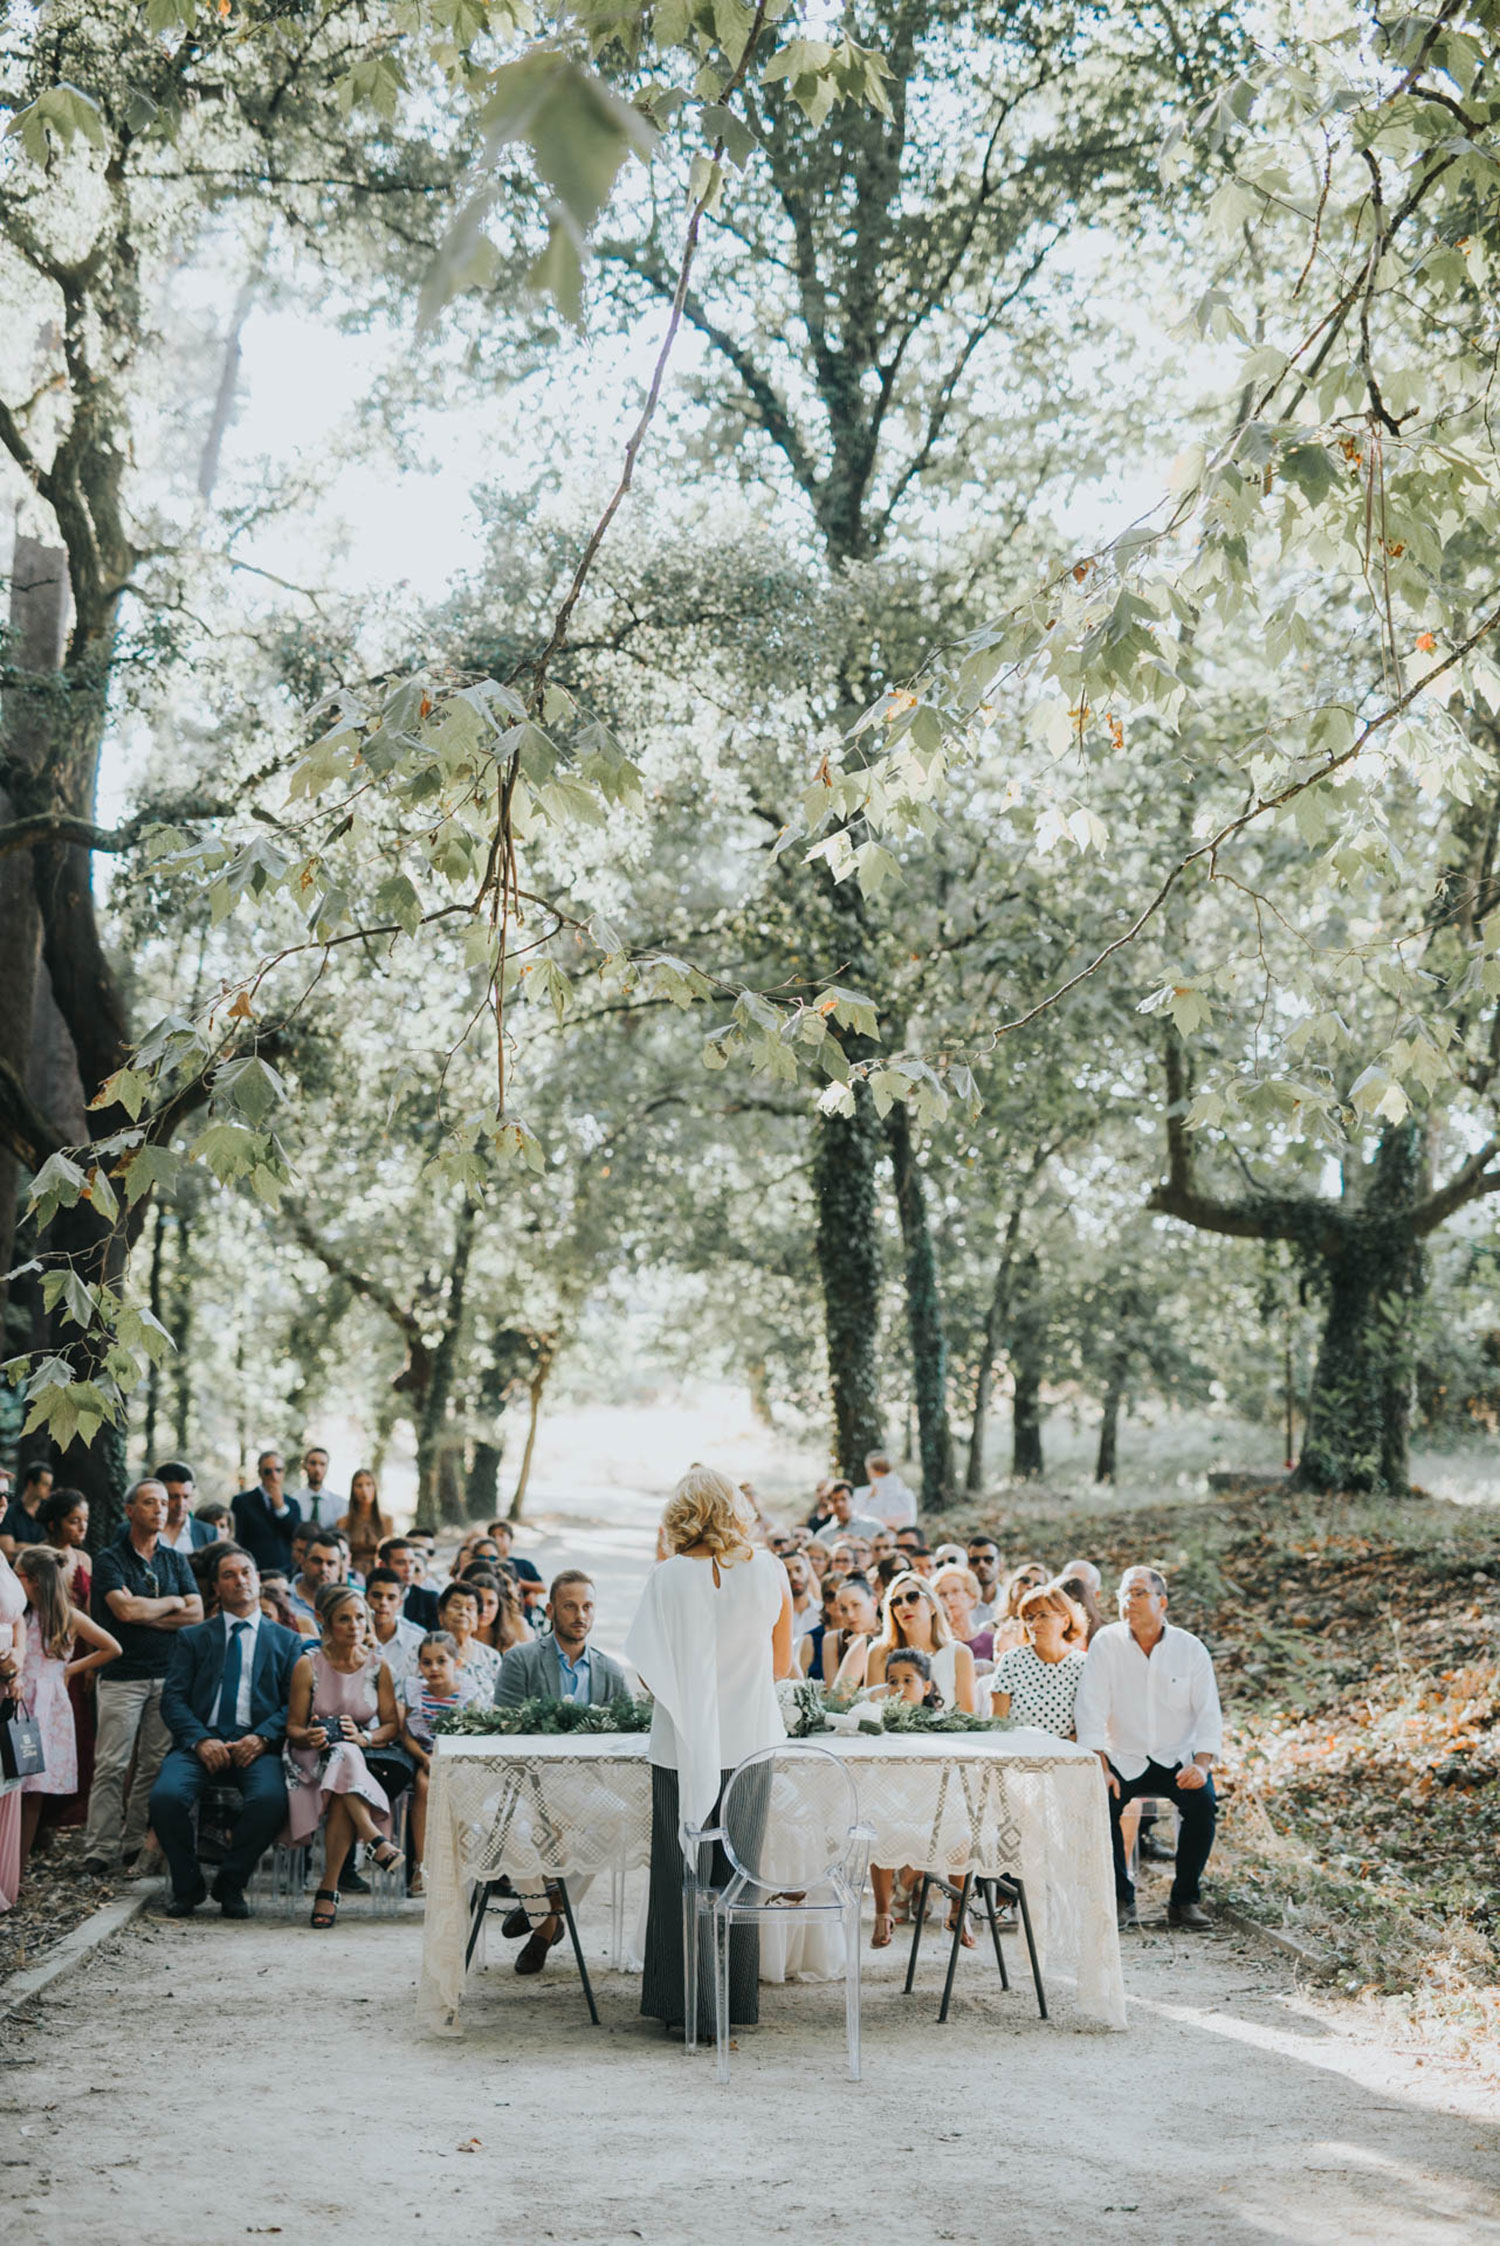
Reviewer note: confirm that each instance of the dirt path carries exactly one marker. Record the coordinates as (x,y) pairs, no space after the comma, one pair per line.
(210,2082)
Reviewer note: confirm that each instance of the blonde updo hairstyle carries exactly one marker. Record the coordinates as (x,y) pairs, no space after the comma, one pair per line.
(707,1509)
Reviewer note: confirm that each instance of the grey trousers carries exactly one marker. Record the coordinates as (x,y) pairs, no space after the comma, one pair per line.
(129,1723)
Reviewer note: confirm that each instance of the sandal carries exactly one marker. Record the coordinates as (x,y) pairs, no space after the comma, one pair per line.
(879,1941)
(325,1908)
(386,1855)
(961,1928)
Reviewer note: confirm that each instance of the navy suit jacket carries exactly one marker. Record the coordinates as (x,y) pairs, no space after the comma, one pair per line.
(420,1605)
(196,1670)
(266,1536)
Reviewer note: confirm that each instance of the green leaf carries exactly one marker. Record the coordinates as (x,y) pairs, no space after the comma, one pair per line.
(397,900)
(251,1085)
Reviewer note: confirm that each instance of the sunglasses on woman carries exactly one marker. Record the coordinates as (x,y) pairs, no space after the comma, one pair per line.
(908,1599)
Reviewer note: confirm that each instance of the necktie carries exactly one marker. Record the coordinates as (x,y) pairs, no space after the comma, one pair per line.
(229,1689)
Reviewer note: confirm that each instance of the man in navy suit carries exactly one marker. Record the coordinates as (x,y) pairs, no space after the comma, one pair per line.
(265,1517)
(224,1703)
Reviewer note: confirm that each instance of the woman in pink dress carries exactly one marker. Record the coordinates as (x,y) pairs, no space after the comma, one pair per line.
(12,1660)
(65,1517)
(342,1703)
(54,1629)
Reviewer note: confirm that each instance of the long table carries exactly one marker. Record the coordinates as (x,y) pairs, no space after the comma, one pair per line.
(580,1805)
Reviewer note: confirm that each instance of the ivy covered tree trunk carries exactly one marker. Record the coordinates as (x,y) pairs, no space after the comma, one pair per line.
(1028,1363)
(1371,1275)
(924,1317)
(845,1167)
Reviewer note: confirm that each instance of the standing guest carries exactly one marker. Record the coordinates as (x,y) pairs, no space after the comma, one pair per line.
(712,1634)
(841,1518)
(958,1594)
(316,1502)
(1148,1704)
(144,1594)
(884,1496)
(984,1563)
(342,1703)
(806,1611)
(12,1666)
(218,1519)
(322,1565)
(225,1705)
(397,1638)
(846,1649)
(420,1604)
(435,1687)
(1008,1627)
(54,1630)
(363,1523)
(1083,1584)
(265,1516)
(22,1522)
(525,1570)
(458,1614)
(182,1530)
(501,1622)
(65,1526)
(810,1646)
(1037,1683)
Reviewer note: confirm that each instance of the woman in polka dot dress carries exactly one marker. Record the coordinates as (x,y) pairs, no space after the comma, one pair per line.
(1037,1683)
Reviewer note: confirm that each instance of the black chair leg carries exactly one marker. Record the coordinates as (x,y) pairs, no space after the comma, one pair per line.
(583,1971)
(920,1916)
(959,1922)
(1036,1971)
(987,1889)
(481,1904)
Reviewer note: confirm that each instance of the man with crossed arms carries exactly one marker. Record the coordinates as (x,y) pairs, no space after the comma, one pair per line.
(1148,1705)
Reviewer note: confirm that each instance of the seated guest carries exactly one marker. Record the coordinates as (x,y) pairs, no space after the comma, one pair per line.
(420,1604)
(1148,1704)
(225,1703)
(183,1531)
(201,1561)
(841,1519)
(908,1677)
(805,1608)
(1008,1628)
(958,1594)
(22,1520)
(1083,1584)
(1037,1683)
(524,1570)
(57,1632)
(818,1556)
(322,1565)
(883,1545)
(884,1496)
(396,1638)
(217,1517)
(914,1617)
(458,1614)
(562,1665)
(850,1555)
(363,1522)
(984,1565)
(809,1647)
(845,1650)
(912,1546)
(275,1605)
(501,1622)
(949,1556)
(342,1703)
(265,1517)
(435,1687)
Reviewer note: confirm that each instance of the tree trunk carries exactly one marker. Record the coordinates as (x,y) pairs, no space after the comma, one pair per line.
(535,1389)
(844,1177)
(433,1410)
(1028,1360)
(997,1317)
(153,1297)
(182,1337)
(924,1317)
(482,1499)
(1109,1425)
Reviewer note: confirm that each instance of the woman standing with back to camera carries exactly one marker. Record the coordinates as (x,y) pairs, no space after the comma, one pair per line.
(711,1636)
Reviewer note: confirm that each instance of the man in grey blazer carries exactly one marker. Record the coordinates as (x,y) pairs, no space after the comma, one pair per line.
(563,1666)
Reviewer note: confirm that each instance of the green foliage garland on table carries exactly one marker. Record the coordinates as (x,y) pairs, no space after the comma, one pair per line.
(546,1719)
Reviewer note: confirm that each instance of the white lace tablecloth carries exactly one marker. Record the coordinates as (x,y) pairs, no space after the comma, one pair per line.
(1016,1801)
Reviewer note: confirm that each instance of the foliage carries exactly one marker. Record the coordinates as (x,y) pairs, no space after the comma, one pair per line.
(545,1719)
